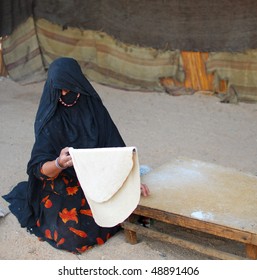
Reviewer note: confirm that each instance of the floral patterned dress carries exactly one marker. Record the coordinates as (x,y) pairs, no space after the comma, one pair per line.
(65,219)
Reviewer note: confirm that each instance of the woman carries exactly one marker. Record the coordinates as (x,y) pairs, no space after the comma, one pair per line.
(51,204)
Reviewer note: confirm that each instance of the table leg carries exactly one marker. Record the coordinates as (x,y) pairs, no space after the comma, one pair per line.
(251,251)
(131,236)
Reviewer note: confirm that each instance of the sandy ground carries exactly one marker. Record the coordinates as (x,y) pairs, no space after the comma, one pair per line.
(161,126)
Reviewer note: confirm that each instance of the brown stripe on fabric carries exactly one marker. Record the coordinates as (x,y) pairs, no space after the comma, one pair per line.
(240,65)
(153,61)
(18,41)
(64,39)
(117,76)
(243,89)
(156,61)
(23,59)
(109,73)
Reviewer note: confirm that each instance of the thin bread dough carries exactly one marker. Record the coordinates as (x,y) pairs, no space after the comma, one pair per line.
(110,179)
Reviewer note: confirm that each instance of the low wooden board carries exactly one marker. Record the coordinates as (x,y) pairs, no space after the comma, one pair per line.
(204,191)
(202,196)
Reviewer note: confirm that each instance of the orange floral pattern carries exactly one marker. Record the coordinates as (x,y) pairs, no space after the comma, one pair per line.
(66,215)
(47,202)
(99,241)
(83,202)
(72,190)
(66,220)
(87,212)
(80,233)
(48,234)
(84,248)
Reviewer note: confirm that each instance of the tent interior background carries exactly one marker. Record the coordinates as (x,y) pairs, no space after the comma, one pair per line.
(175,46)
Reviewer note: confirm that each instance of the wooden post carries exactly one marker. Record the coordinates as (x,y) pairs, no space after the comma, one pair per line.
(131,236)
(251,251)
(3,71)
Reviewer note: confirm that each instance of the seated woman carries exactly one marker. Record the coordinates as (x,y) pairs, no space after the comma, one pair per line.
(51,204)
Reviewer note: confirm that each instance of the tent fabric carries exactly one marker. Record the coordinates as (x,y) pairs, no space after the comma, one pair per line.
(33,46)
(133,45)
(108,61)
(238,69)
(22,55)
(200,25)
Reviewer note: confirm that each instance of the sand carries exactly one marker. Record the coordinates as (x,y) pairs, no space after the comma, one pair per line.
(161,126)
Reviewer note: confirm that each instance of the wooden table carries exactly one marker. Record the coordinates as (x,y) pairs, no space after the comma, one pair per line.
(200,196)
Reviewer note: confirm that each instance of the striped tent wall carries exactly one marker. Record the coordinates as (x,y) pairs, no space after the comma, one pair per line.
(21,54)
(107,61)
(29,50)
(238,69)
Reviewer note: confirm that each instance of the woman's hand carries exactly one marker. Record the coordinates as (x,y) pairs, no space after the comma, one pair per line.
(144,190)
(65,159)
(54,167)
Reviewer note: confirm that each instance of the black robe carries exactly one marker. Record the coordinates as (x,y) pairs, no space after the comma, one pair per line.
(55,209)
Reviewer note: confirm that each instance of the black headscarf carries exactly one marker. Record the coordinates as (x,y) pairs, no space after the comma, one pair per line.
(63,73)
(87,124)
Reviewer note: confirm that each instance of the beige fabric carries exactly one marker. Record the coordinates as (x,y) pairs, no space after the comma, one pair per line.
(108,61)
(238,69)
(110,179)
(22,55)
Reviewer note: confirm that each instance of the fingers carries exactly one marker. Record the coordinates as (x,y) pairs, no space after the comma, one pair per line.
(65,151)
(65,159)
(144,190)
(68,163)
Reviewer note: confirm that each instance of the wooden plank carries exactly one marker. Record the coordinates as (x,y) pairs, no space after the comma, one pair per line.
(214,253)
(203,226)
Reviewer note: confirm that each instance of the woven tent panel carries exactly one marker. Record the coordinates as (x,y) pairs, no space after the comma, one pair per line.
(107,60)
(238,69)
(22,55)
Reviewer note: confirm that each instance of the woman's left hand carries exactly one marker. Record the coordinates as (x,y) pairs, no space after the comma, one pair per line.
(144,190)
